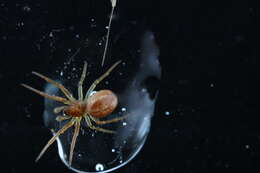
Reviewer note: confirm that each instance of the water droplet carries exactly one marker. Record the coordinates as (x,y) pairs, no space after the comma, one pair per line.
(211,85)
(99,167)
(26,8)
(4,37)
(175,130)
(143,90)
(72,28)
(167,113)
(20,24)
(93,25)
(28,115)
(247,146)
(98,149)
(195,147)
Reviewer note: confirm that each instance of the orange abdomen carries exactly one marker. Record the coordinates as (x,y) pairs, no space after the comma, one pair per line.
(101,103)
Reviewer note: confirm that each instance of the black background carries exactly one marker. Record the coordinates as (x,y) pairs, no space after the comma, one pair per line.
(209,83)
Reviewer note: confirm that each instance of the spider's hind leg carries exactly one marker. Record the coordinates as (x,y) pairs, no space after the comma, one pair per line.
(74,138)
(91,126)
(114,120)
(101,129)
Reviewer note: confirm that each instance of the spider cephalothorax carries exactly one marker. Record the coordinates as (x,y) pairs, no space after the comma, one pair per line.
(95,105)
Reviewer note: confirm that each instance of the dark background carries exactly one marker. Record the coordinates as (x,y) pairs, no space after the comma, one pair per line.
(209,83)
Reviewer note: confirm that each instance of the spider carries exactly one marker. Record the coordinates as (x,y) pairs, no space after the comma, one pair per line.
(94,106)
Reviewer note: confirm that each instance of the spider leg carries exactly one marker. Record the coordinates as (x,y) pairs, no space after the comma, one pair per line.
(97,121)
(97,128)
(56,98)
(58,85)
(59,109)
(101,129)
(83,75)
(97,81)
(62,118)
(74,138)
(62,130)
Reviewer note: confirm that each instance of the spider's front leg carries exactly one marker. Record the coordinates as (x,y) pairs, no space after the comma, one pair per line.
(97,81)
(60,118)
(58,85)
(83,75)
(52,97)
(59,109)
